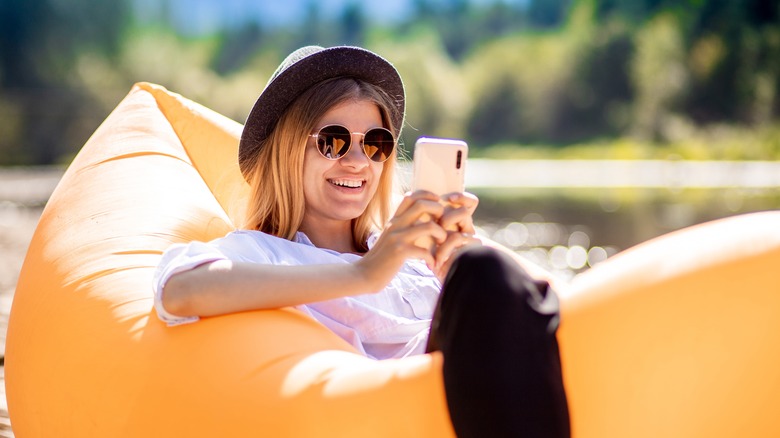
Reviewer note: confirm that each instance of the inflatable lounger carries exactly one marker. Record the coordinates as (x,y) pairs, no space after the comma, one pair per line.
(679,336)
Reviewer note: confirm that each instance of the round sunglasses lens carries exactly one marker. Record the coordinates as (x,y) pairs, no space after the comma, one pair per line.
(333,141)
(378,144)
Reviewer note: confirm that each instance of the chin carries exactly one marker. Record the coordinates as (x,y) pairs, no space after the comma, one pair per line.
(350,215)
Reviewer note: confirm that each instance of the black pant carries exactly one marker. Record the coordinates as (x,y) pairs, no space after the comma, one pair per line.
(496,329)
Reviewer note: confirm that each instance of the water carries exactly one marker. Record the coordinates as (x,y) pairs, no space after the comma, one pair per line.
(569,230)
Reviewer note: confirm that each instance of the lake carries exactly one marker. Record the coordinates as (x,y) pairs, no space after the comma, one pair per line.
(568,215)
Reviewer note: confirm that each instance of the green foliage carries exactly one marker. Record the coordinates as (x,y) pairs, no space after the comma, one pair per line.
(40,98)
(659,74)
(39,39)
(697,79)
(555,87)
(437,97)
(713,142)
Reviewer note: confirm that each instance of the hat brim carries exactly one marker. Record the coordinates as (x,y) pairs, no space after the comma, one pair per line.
(282,90)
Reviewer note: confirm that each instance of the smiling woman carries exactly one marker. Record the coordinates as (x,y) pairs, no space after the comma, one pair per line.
(673,338)
(322,139)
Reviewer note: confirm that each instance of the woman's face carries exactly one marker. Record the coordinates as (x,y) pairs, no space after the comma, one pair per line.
(340,190)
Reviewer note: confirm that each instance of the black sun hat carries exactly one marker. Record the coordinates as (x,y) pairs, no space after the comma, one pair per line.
(304,68)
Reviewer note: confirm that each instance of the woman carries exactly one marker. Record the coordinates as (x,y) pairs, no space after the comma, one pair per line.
(319,151)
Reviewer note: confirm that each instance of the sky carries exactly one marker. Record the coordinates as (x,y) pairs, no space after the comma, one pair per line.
(206,16)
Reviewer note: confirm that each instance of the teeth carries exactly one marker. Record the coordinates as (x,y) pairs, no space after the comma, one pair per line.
(347,183)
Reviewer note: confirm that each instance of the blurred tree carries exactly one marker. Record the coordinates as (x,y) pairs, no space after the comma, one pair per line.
(424,10)
(499,19)
(729,50)
(40,43)
(532,71)
(455,29)
(716,95)
(314,30)
(450,19)
(599,93)
(353,24)
(463,26)
(498,114)
(762,12)
(348,27)
(18,40)
(659,74)
(41,38)
(436,95)
(518,84)
(237,47)
(742,78)
(633,10)
(548,13)
(560,87)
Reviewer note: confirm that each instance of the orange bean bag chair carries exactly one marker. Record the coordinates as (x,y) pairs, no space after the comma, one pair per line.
(677,337)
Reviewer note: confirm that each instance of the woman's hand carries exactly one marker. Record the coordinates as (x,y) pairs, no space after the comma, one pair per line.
(457,220)
(416,219)
(458,211)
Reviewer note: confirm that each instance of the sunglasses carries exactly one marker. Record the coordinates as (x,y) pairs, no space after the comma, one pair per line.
(334,141)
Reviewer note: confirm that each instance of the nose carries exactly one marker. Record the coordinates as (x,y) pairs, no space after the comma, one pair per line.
(355,157)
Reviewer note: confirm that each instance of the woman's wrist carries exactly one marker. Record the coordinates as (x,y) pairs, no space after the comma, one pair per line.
(363,276)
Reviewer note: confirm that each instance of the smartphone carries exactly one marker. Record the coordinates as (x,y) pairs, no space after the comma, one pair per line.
(439,165)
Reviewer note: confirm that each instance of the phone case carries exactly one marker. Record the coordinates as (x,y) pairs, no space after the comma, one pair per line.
(439,165)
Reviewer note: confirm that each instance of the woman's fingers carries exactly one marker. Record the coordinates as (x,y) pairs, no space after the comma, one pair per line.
(397,244)
(457,215)
(457,219)
(423,234)
(453,243)
(411,198)
(463,199)
(447,251)
(423,205)
(417,207)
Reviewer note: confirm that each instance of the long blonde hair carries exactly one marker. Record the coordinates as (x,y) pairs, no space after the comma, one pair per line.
(276,204)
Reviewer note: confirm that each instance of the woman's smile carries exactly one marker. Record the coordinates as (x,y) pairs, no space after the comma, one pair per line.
(348,183)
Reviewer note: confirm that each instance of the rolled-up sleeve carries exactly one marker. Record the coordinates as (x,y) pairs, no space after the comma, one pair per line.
(180,258)
(238,246)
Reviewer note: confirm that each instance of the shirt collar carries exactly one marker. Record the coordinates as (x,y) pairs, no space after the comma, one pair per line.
(302,238)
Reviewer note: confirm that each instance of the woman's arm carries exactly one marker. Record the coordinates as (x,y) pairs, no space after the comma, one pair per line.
(223,286)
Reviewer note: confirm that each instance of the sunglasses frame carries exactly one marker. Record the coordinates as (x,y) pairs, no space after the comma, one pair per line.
(316,136)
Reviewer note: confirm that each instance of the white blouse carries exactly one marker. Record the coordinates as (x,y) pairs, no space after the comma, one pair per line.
(392,323)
